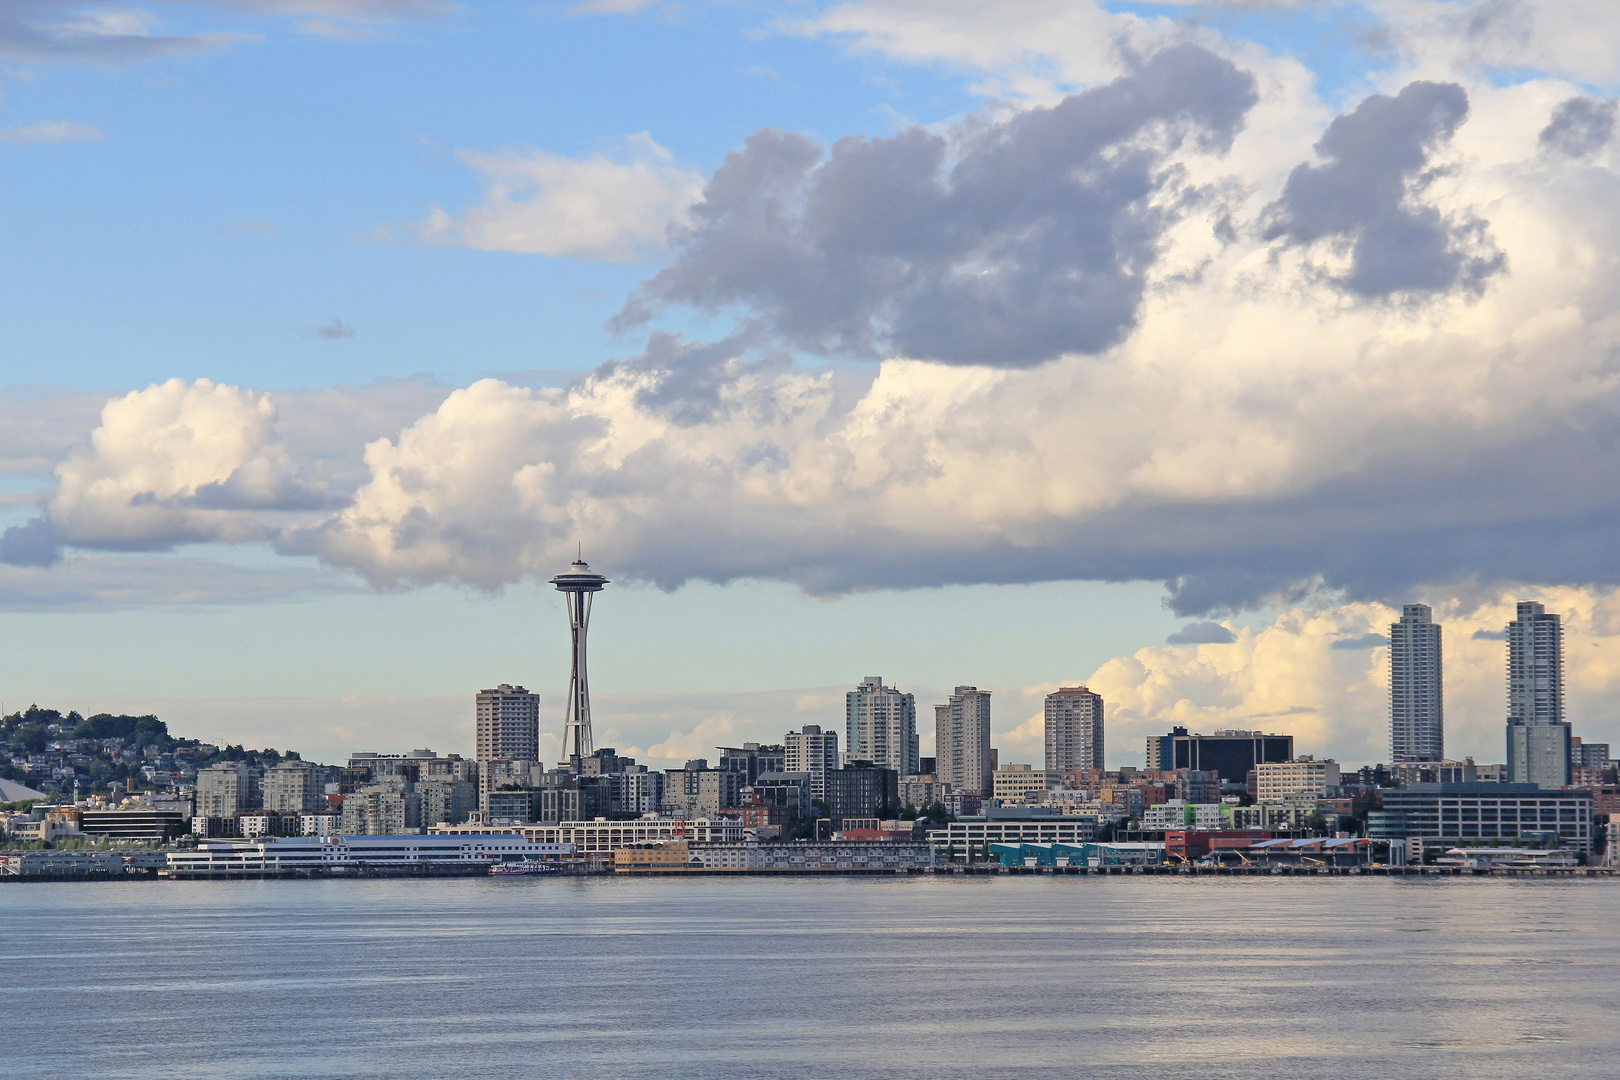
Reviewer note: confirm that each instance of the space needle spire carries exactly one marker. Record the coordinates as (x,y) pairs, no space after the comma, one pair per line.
(578,585)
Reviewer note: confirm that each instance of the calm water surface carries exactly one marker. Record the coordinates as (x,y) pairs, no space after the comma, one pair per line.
(862,978)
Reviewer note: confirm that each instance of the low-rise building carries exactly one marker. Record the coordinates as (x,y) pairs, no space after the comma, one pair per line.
(1449,814)
(1030,855)
(1195,843)
(1177,814)
(1276,780)
(273,854)
(61,863)
(603,836)
(836,856)
(657,856)
(1015,784)
(1276,817)
(956,838)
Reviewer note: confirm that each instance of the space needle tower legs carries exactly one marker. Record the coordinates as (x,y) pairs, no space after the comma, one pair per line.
(578,585)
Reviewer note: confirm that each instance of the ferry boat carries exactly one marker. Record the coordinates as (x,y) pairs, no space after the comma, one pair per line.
(527,866)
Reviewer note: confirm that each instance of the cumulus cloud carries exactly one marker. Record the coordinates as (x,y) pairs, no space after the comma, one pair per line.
(1364,196)
(1004,243)
(1579,126)
(1251,437)
(176,464)
(335,330)
(615,206)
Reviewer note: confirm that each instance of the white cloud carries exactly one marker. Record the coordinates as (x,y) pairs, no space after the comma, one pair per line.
(51,131)
(174,464)
(615,206)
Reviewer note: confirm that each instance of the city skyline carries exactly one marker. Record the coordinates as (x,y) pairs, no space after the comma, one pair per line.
(292,459)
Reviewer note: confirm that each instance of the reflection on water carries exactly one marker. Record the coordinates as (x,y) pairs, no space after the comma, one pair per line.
(873,979)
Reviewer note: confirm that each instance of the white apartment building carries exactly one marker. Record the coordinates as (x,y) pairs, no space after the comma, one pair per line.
(880,726)
(1023,784)
(1074,730)
(811,751)
(1416,695)
(508,724)
(1276,780)
(962,741)
(1177,814)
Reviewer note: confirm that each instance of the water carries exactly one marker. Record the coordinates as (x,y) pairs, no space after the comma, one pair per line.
(873,979)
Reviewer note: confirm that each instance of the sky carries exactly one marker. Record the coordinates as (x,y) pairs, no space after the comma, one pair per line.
(1162,348)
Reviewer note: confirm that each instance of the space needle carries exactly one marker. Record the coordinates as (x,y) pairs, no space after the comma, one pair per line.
(578,585)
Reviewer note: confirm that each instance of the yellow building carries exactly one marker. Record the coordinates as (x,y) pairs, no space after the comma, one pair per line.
(652,857)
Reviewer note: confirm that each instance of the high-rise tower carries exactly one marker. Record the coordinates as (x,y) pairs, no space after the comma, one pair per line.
(962,754)
(1538,737)
(578,585)
(508,723)
(880,726)
(1074,730)
(1416,700)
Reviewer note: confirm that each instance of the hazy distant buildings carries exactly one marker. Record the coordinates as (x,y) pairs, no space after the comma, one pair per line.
(508,724)
(1074,730)
(962,754)
(1538,737)
(1416,699)
(813,752)
(880,726)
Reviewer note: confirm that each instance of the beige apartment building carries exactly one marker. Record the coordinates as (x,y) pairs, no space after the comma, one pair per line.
(1023,783)
(1276,780)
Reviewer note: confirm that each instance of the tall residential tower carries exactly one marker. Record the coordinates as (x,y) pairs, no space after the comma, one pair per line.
(962,741)
(1416,701)
(880,726)
(1538,737)
(1074,730)
(508,720)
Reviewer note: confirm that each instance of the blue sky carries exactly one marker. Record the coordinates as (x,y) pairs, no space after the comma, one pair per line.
(880,467)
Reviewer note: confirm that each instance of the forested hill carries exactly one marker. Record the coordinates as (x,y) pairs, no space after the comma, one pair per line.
(60,753)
